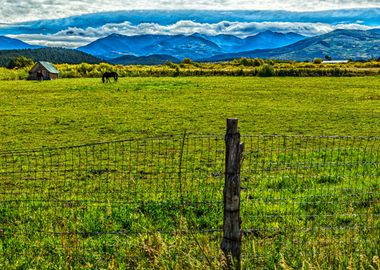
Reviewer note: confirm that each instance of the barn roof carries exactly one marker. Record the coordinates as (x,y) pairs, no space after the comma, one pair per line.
(49,67)
(335,62)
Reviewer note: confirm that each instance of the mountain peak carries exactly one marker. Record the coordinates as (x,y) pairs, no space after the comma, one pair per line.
(7,43)
(116,35)
(267,32)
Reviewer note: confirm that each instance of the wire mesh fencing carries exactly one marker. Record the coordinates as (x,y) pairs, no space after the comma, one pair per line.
(158,203)
(98,204)
(311,202)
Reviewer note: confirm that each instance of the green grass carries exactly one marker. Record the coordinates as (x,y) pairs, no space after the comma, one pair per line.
(77,111)
(307,203)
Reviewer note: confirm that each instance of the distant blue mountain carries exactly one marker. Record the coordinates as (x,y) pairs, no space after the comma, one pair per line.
(155,59)
(181,46)
(7,43)
(269,40)
(264,40)
(116,45)
(368,17)
(178,46)
(338,44)
(227,42)
(196,46)
(374,31)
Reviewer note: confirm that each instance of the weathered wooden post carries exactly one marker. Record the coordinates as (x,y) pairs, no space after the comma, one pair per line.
(231,243)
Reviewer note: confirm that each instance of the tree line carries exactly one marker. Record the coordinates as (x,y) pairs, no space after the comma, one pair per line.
(19,67)
(53,55)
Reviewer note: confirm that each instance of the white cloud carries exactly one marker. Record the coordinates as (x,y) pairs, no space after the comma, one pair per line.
(225,27)
(25,10)
(65,41)
(76,37)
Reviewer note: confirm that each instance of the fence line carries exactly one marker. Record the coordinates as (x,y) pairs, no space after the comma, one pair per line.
(298,194)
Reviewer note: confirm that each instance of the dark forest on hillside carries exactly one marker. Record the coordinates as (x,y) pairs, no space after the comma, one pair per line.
(54,55)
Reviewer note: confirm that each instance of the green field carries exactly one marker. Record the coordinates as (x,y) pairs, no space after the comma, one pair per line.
(78,111)
(308,202)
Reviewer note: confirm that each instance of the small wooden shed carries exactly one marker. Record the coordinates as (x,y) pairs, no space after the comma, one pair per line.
(43,71)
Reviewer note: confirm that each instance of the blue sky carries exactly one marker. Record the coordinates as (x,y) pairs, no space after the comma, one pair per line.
(25,10)
(65,23)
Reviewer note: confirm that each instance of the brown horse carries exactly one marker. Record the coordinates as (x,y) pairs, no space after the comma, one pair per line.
(107,75)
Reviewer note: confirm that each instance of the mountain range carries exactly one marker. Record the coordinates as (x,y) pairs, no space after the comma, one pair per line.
(195,46)
(157,49)
(338,44)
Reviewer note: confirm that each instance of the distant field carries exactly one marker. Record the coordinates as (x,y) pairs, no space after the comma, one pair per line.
(78,111)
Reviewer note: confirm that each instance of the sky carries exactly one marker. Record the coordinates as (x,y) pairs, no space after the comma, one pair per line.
(26,10)
(26,19)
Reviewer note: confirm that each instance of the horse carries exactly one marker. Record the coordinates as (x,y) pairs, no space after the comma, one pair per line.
(107,75)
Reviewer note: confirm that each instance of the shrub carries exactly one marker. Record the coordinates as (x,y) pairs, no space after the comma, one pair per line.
(317,61)
(245,62)
(20,62)
(266,71)
(248,62)
(257,62)
(170,64)
(186,61)
(177,72)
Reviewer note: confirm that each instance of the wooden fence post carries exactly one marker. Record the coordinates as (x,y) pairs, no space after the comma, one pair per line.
(231,243)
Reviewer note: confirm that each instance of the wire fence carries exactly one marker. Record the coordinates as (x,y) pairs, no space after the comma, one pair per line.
(158,202)
(317,198)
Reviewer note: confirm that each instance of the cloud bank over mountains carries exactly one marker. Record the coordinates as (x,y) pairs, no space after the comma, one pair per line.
(75,37)
(26,10)
(77,31)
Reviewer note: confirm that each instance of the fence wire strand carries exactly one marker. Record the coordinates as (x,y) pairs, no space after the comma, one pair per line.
(297,191)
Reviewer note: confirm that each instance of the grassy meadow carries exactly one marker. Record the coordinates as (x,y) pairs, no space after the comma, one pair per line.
(307,202)
(80,111)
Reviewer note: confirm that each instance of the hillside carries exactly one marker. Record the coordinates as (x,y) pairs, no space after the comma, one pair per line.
(339,44)
(54,55)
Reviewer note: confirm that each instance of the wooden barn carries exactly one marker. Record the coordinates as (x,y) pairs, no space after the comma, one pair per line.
(43,71)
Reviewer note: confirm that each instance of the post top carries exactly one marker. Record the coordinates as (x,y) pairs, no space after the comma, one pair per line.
(232,125)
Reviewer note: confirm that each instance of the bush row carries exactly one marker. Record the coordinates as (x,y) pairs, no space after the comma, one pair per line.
(241,67)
